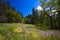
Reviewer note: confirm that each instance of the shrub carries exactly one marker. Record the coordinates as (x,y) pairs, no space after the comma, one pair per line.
(41,26)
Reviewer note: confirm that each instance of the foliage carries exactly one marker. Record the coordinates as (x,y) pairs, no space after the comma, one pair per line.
(41,26)
(9,14)
(45,17)
(33,17)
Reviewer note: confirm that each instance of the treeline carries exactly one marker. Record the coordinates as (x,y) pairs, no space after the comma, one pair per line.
(47,18)
(8,14)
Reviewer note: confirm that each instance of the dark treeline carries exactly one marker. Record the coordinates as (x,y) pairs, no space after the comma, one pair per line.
(47,18)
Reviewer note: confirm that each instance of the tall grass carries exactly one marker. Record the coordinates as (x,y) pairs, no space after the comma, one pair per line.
(14,32)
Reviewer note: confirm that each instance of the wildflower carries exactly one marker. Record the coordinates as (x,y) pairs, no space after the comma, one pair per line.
(18,30)
(47,33)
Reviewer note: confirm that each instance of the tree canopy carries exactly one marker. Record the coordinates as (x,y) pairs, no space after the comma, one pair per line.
(8,14)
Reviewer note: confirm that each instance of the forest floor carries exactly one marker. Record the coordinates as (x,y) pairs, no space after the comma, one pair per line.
(18,31)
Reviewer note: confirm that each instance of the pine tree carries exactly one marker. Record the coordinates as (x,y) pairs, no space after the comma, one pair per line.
(34,16)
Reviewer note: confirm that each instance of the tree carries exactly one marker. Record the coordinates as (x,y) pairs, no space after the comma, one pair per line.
(58,15)
(44,17)
(9,14)
(52,4)
(28,19)
(34,16)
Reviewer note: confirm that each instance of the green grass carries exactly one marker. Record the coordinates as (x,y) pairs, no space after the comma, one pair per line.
(17,31)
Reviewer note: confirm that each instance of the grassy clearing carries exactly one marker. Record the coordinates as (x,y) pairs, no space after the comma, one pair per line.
(17,31)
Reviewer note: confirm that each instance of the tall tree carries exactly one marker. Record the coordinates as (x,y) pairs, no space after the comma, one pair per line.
(34,16)
(58,15)
(51,4)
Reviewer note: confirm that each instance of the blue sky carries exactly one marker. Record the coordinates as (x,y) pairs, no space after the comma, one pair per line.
(24,6)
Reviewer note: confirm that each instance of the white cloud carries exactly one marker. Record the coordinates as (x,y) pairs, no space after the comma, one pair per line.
(39,8)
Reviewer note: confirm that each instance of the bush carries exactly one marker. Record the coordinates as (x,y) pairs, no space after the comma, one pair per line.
(41,26)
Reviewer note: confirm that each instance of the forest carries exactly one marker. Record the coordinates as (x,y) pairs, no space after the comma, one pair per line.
(45,19)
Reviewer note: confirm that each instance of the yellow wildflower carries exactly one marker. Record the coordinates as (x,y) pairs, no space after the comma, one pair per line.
(18,30)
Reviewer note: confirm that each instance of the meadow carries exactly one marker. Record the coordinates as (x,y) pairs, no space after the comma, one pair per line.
(18,31)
